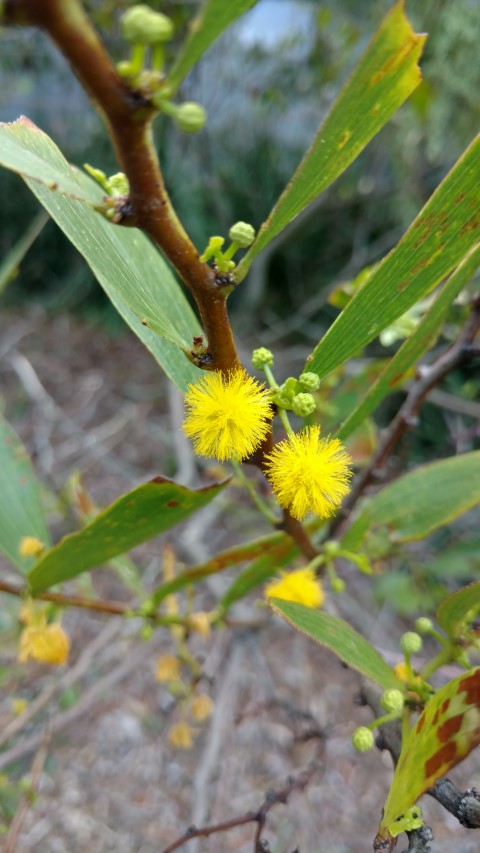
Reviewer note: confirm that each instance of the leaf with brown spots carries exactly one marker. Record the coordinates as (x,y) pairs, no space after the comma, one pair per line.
(133,518)
(444,734)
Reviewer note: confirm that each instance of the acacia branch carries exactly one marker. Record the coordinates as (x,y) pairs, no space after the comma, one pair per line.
(128,116)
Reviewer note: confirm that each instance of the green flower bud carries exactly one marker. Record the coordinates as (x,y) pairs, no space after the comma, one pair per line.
(363,739)
(411,643)
(213,250)
(424,625)
(142,25)
(242,234)
(289,387)
(331,548)
(309,381)
(125,68)
(303,405)
(118,184)
(146,632)
(190,117)
(262,357)
(393,701)
(282,401)
(338,585)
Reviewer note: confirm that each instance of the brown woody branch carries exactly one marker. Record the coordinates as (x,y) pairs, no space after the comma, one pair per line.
(272,798)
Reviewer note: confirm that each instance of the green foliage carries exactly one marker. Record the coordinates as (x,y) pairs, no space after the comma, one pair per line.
(413,348)
(133,518)
(214,17)
(443,735)
(384,78)
(21,511)
(340,638)
(421,501)
(10,263)
(458,609)
(444,231)
(131,271)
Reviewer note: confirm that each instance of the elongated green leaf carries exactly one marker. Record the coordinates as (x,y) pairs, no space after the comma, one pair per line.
(214,17)
(384,78)
(134,518)
(421,501)
(422,339)
(439,238)
(338,636)
(21,512)
(453,610)
(12,260)
(130,270)
(443,735)
(24,149)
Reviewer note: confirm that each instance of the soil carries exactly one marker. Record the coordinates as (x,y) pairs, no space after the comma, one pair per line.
(106,777)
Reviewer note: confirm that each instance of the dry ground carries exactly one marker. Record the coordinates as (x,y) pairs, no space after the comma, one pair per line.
(82,400)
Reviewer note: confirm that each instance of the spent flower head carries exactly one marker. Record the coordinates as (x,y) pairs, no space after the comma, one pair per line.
(49,644)
(180,735)
(228,415)
(309,473)
(302,586)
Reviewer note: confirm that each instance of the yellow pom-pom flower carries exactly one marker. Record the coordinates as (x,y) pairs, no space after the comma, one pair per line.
(302,586)
(309,473)
(228,415)
(49,644)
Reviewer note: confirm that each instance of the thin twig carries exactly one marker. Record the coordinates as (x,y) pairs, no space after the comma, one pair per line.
(272,798)
(114,608)
(26,800)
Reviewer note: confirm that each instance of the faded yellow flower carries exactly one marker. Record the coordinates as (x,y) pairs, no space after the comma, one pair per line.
(180,735)
(302,586)
(200,623)
(201,707)
(167,668)
(228,415)
(30,546)
(309,473)
(18,706)
(49,644)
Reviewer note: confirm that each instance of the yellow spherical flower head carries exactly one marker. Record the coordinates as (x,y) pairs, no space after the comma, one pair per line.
(49,644)
(228,415)
(309,473)
(302,586)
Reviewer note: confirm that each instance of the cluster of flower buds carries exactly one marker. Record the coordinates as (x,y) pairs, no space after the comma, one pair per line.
(242,236)
(148,31)
(393,703)
(294,394)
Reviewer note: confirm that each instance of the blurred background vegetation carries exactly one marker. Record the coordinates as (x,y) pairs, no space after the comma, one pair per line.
(266,84)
